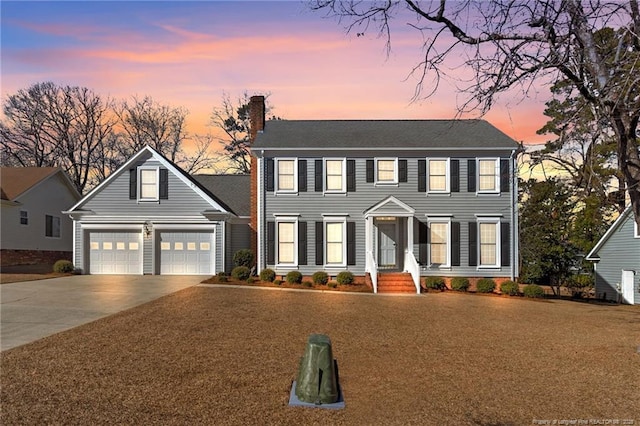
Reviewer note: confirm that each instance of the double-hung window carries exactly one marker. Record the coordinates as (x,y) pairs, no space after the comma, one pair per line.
(335,242)
(489,175)
(52,226)
(286,175)
(24,217)
(149,184)
(286,237)
(386,171)
(439,243)
(335,175)
(489,242)
(438,175)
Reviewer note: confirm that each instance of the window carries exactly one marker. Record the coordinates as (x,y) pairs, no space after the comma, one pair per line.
(488,238)
(335,243)
(439,243)
(24,217)
(386,170)
(489,175)
(286,181)
(52,226)
(335,179)
(148,184)
(286,243)
(438,175)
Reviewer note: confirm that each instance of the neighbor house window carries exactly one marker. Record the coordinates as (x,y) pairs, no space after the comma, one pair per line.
(52,226)
(488,238)
(387,170)
(24,217)
(439,243)
(148,184)
(438,175)
(335,179)
(286,180)
(286,242)
(489,175)
(335,243)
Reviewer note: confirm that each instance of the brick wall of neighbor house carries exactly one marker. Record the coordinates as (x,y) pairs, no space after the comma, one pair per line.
(32,257)
(256,118)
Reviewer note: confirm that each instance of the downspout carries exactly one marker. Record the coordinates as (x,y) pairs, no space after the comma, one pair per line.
(514,217)
(259,194)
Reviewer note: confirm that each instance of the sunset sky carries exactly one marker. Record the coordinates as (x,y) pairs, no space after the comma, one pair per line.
(188,53)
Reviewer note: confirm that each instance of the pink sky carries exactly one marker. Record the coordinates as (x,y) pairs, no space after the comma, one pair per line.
(188,54)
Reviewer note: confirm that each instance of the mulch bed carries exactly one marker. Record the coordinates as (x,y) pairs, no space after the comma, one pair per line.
(228,356)
(352,288)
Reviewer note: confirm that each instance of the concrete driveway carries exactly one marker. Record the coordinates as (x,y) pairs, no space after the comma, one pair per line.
(35,309)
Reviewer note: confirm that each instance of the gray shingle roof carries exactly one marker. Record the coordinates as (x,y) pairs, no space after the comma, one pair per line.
(374,134)
(232,190)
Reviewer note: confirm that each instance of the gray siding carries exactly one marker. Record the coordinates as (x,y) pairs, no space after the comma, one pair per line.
(462,206)
(620,252)
(238,238)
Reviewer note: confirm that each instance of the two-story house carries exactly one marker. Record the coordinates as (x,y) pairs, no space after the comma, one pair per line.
(423,197)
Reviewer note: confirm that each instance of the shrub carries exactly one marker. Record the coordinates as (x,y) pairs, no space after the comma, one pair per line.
(579,285)
(244,257)
(510,288)
(267,275)
(294,277)
(320,277)
(63,266)
(460,284)
(533,290)
(485,285)
(333,284)
(307,283)
(277,282)
(251,280)
(222,278)
(434,283)
(241,273)
(345,277)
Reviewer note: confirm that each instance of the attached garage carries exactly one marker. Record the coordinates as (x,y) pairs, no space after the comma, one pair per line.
(186,253)
(115,252)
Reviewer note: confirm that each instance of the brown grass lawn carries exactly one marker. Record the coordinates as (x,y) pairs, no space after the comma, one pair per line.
(228,356)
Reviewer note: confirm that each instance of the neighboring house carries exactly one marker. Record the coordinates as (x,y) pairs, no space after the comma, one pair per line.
(423,197)
(616,260)
(34,230)
(150,217)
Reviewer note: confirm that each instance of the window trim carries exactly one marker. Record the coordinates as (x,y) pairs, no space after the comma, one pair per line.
(395,171)
(286,219)
(636,229)
(26,217)
(325,176)
(139,184)
(496,222)
(446,221)
(496,176)
(276,174)
(53,236)
(335,219)
(447,176)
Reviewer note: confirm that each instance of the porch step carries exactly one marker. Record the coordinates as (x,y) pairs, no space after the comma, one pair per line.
(396,282)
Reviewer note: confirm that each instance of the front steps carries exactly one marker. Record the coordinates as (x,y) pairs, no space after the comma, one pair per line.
(396,282)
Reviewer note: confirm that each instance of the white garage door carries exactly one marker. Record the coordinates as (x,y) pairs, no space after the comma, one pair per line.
(186,253)
(115,252)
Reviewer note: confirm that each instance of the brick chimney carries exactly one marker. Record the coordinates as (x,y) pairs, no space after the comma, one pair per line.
(257,119)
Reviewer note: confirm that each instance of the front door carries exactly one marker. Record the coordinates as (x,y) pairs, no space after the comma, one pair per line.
(627,287)
(387,246)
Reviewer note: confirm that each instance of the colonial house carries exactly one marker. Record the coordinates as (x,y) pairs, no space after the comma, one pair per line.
(34,231)
(384,198)
(616,260)
(150,217)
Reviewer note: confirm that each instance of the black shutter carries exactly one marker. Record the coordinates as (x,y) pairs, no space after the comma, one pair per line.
(471,175)
(302,243)
(422,175)
(133,184)
(48,224)
(455,175)
(455,243)
(505,252)
(351,243)
(270,174)
(302,175)
(318,176)
(351,175)
(164,184)
(369,171)
(473,244)
(402,170)
(271,243)
(504,175)
(423,243)
(319,243)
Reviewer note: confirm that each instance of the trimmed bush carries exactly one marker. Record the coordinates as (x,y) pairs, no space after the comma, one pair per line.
(294,277)
(332,284)
(251,280)
(460,284)
(267,275)
(510,288)
(345,278)
(307,283)
(244,257)
(63,267)
(277,282)
(320,277)
(222,277)
(533,290)
(241,273)
(485,285)
(434,283)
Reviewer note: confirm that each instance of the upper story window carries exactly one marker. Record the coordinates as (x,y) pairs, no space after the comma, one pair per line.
(488,175)
(335,176)
(286,175)
(24,217)
(438,175)
(386,170)
(148,184)
(52,226)
(488,238)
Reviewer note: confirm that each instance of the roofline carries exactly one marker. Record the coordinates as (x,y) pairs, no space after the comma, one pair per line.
(341,148)
(55,171)
(592,254)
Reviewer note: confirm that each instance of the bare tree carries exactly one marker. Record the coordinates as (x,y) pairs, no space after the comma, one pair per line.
(514,43)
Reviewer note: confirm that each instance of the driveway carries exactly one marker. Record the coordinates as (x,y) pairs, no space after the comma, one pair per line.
(35,309)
